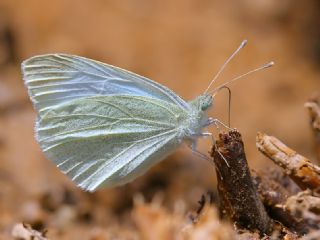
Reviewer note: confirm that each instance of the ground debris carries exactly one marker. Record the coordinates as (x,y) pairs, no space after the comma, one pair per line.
(23,231)
(270,204)
(305,207)
(175,225)
(274,192)
(297,209)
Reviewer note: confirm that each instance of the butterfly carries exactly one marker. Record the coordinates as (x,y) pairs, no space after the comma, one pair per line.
(104,126)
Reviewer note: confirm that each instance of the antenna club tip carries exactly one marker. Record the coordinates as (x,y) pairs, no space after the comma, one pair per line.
(243,43)
(270,64)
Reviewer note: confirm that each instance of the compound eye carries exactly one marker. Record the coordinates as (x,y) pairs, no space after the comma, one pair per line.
(204,106)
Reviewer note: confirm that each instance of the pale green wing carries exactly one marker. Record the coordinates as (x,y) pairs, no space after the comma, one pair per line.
(107,141)
(53,79)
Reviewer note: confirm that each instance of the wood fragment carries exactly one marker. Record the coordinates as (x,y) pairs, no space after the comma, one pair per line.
(314,112)
(274,195)
(304,207)
(271,192)
(299,168)
(238,196)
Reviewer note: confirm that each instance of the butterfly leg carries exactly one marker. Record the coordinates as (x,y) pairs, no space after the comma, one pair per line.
(215,122)
(202,155)
(206,134)
(194,150)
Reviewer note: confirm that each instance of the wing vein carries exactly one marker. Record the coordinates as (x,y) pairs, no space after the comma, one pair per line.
(83,183)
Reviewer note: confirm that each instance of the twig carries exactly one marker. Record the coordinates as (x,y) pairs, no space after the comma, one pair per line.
(314,111)
(237,193)
(299,168)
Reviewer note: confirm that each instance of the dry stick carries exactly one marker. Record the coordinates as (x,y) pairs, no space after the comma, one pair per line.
(237,193)
(300,169)
(314,111)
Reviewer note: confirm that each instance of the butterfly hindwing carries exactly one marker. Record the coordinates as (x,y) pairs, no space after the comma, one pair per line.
(109,140)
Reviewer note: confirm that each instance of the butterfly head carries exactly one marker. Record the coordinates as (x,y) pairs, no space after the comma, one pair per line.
(205,102)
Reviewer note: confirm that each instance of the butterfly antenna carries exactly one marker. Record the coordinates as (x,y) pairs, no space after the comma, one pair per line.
(217,89)
(243,43)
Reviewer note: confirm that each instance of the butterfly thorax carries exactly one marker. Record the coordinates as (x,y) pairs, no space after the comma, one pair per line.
(197,117)
(202,103)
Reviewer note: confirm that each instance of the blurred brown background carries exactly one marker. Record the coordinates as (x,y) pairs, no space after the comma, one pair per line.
(181,44)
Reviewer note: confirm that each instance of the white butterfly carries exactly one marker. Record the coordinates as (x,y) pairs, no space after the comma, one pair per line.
(104,126)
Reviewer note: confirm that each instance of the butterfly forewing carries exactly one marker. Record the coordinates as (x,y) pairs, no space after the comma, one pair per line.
(57,78)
